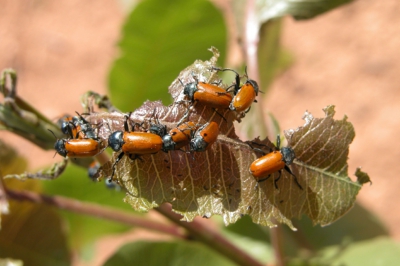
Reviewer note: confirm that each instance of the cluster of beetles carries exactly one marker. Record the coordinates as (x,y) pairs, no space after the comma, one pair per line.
(187,136)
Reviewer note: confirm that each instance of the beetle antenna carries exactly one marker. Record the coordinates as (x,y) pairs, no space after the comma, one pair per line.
(53,133)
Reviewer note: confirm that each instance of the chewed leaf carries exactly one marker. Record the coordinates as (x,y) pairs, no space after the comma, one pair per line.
(322,147)
(218,181)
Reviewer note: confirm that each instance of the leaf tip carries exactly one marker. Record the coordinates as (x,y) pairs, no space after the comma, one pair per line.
(329,111)
(362,177)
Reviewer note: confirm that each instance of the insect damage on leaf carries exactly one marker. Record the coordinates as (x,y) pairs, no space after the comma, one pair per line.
(218,181)
(322,147)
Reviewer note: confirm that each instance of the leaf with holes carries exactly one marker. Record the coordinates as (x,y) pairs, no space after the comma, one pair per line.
(218,181)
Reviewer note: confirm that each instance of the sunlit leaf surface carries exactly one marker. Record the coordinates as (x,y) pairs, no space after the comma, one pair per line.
(219,182)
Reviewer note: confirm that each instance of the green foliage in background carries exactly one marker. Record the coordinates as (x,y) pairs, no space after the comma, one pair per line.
(159,40)
(167,253)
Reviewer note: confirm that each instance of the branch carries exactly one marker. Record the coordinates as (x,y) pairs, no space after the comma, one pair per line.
(92,209)
(276,241)
(211,238)
(251,42)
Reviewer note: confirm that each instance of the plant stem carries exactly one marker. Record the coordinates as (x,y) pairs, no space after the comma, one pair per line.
(251,42)
(210,237)
(276,241)
(95,210)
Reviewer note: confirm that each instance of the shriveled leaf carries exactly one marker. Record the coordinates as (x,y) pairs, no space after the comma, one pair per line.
(218,181)
(322,147)
(166,253)
(159,40)
(54,171)
(22,119)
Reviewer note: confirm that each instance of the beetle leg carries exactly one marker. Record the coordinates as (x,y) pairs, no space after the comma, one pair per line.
(256,149)
(295,178)
(215,110)
(277,179)
(135,156)
(262,180)
(115,164)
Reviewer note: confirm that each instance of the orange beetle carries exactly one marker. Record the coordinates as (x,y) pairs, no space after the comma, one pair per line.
(77,148)
(67,126)
(85,143)
(179,137)
(133,144)
(207,94)
(204,137)
(77,127)
(244,95)
(273,162)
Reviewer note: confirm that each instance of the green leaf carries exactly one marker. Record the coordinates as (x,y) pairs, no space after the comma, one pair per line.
(166,253)
(299,9)
(159,40)
(357,225)
(247,228)
(34,234)
(10,160)
(75,183)
(28,224)
(272,58)
(251,238)
(30,232)
(11,262)
(377,251)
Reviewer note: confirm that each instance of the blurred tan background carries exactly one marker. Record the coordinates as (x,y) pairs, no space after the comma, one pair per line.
(349,57)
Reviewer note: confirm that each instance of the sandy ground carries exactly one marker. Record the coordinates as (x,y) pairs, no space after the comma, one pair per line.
(348,57)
